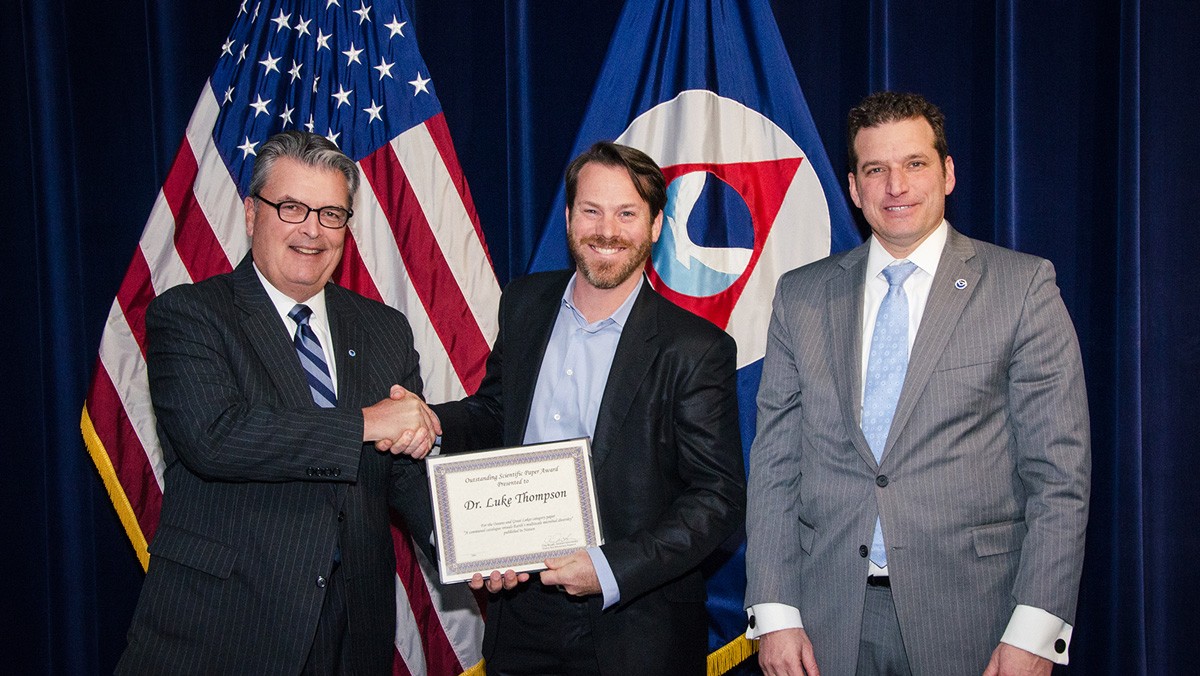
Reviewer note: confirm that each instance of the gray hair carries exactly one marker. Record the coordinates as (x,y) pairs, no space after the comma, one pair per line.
(310,149)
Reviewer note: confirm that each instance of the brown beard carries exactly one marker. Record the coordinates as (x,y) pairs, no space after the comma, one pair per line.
(608,275)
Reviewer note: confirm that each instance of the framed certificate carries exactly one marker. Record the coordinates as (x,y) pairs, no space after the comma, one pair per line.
(512,508)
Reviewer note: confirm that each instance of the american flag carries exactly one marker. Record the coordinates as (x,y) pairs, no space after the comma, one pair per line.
(349,70)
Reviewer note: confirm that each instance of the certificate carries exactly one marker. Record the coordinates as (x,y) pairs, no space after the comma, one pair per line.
(512,508)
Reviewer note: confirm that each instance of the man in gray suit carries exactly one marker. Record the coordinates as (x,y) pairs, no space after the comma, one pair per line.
(273,554)
(919,483)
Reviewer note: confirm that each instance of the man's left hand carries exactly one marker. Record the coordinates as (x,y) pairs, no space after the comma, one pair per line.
(1008,660)
(574,573)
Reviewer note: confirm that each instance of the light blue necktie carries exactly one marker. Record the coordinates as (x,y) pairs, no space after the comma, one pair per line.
(312,358)
(886,365)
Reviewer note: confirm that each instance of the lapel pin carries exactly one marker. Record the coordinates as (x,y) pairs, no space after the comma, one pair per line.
(960,284)
(352,353)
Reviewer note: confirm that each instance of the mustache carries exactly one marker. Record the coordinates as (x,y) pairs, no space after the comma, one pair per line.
(606,242)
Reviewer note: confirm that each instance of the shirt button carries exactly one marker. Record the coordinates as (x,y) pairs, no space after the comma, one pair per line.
(557,416)
(321,581)
(570,372)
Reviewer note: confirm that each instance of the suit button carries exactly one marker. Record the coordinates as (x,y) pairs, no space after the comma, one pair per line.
(311,471)
(863,551)
(321,581)
(341,516)
(881,480)
(337,471)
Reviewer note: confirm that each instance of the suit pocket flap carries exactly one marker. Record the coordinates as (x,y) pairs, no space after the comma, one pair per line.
(998,538)
(807,535)
(194,551)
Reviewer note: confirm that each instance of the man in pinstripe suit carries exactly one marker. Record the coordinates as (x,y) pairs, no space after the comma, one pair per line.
(273,554)
(951,542)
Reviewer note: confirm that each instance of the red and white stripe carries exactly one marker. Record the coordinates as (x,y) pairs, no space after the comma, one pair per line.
(415,244)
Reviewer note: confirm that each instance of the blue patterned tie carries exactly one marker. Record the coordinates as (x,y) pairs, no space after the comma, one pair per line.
(312,358)
(886,366)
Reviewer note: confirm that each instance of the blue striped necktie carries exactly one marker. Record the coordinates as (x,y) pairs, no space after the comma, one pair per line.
(887,364)
(312,358)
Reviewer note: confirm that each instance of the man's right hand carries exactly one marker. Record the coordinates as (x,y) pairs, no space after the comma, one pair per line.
(787,652)
(402,424)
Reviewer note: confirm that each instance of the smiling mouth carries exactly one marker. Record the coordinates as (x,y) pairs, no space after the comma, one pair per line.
(606,251)
(307,251)
(902,207)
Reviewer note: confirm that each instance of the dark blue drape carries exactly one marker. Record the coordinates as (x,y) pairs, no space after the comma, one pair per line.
(1071,125)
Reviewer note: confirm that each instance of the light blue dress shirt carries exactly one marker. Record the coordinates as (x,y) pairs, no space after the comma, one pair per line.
(570,387)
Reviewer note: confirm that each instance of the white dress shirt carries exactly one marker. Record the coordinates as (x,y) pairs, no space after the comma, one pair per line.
(319,321)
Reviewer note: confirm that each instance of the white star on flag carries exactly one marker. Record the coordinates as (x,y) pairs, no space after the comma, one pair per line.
(269,63)
(373,111)
(384,68)
(280,21)
(395,27)
(419,84)
(343,96)
(259,105)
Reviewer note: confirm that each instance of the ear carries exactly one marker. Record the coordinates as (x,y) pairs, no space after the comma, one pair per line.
(949,170)
(656,227)
(854,190)
(567,217)
(248,203)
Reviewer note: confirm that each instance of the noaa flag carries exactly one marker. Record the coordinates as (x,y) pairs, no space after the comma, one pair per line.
(706,88)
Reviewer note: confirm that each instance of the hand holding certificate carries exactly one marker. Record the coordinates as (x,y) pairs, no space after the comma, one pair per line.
(511,509)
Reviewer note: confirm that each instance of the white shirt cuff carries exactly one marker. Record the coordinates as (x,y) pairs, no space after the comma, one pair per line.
(608,581)
(768,617)
(1039,632)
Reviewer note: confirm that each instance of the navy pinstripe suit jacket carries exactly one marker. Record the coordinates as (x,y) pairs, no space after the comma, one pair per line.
(260,484)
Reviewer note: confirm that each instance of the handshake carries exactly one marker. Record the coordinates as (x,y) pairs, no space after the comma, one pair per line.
(402,424)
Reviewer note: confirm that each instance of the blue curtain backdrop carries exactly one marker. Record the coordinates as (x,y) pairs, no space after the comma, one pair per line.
(1072,128)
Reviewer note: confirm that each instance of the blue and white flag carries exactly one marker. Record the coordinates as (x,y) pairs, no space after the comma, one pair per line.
(706,88)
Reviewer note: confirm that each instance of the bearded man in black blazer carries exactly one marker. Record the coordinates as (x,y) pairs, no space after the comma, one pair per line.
(273,554)
(597,352)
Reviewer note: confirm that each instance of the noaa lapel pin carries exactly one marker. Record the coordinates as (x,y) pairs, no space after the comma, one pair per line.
(352,353)
(959,284)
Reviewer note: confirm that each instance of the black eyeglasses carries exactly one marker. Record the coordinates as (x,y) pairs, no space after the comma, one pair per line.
(291,211)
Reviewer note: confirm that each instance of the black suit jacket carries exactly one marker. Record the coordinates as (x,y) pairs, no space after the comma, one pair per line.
(260,484)
(667,457)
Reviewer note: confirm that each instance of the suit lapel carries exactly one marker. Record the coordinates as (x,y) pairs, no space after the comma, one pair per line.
(349,346)
(942,311)
(637,350)
(845,317)
(268,337)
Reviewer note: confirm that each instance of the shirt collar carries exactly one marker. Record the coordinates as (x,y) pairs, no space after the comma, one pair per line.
(284,303)
(925,256)
(618,317)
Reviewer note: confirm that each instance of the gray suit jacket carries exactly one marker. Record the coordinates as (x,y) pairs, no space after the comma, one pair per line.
(983,487)
(260,484)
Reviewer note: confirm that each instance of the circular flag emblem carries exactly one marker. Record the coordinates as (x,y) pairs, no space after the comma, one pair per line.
(743,206)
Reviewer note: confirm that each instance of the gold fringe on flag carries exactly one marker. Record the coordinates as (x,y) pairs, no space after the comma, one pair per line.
(115,492)
(730,655)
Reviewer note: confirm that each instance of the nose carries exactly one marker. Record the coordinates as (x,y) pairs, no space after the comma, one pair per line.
(897,183)
(608,226)
(310,226)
